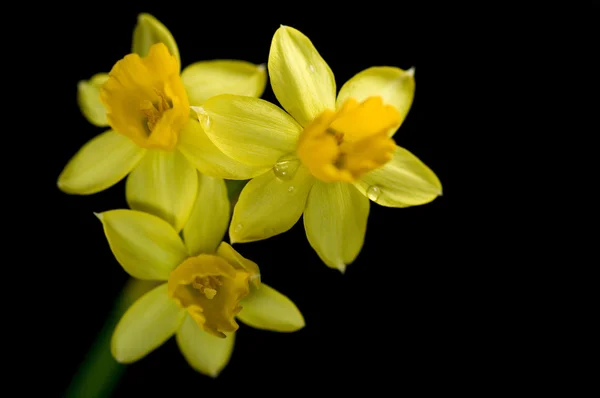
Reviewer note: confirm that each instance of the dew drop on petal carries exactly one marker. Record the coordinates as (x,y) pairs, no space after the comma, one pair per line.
(286,167)
(311,67)
(291,189)
(238,228)
(202,115)
(374,192)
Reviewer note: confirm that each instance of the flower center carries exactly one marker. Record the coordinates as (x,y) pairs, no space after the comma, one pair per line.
(153,111)
(344,145)
(145,99)
(207,285)
(210,288)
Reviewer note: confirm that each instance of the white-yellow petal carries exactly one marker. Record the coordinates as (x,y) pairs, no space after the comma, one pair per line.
(335,221)
(204,352)
(209,219)
(270,205)
(404,181)
(301,79)
(146,246)
(146,325)
(102,162)
(250,130)
(149,31)
(266,308)
(164,184)
(394,85)
(210,160)
(88,98)
(206,79)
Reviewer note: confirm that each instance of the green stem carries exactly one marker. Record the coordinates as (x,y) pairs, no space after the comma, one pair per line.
(99,373)
(234,188)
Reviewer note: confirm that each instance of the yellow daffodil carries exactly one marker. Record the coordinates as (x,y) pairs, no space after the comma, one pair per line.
(324,158)
(146,102)
(207,284)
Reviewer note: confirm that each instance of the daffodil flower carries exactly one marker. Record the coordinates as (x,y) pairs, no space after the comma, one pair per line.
(324,158)
(207,285)
(146,102)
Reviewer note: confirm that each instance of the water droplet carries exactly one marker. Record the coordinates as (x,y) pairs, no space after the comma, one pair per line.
(238,228)
(202,115)
(291,189)
(286,167)
(311,67)
(374,192)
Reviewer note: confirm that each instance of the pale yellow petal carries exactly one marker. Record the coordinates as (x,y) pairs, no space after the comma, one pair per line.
(210,160)
(335,221)
(266,308)
(234,258)
(209,219)
(250,130)
(146,246)
(102,162)
(149,31)
(164,184)
(88,98)
(204,352)
(146,325)
(404,181)
(206,79)
(395,86)
(301,79)
(270,205)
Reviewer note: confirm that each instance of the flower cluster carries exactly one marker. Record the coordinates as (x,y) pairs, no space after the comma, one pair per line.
(177,135)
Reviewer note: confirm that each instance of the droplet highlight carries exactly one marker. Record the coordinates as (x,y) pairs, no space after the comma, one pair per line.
(286,167)
(202,115)
(374,192)
(238,228)
(291,189)
(311,67)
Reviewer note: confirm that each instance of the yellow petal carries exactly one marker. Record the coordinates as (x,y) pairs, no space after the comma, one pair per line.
(150,31)
(88,98)
(269,205)
(335,221)
(250,130)
(266,308)
(209,159)
(404,181)
(238,261)
(206,79)
(102,162)
(209,219)
(395,86)
(164,184)
(204,352)
(301,79)
(146,246)
(146,325)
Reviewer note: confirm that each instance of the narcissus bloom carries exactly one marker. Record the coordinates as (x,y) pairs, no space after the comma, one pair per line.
(146,102)
(207,285)
(324,158)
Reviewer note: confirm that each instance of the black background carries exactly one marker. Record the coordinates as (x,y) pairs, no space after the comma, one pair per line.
(390,322)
